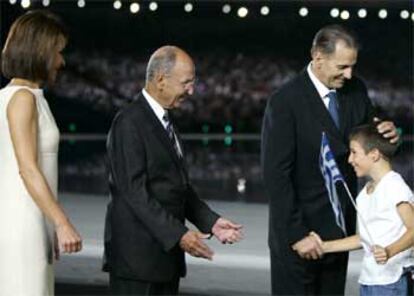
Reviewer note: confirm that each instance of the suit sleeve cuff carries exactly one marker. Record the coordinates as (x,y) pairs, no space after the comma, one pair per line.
(295,234)
(169,245)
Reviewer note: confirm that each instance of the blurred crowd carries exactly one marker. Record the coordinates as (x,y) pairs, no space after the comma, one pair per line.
(230,88)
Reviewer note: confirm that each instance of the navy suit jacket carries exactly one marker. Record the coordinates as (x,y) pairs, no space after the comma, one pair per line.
(294,120)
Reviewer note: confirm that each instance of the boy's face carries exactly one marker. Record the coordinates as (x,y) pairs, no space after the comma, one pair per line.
(361,161)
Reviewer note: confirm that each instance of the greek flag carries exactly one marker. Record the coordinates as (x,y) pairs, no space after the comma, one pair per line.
(331,175)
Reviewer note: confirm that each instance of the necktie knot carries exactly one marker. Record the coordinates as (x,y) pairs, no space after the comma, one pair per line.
(166,118)
(332,96)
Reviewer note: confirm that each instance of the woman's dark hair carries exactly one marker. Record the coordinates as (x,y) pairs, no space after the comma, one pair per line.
(30,47)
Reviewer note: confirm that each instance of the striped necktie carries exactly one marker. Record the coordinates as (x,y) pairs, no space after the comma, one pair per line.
(171,134)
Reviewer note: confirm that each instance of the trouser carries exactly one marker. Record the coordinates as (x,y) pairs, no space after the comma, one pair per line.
(399,288)
(122,286)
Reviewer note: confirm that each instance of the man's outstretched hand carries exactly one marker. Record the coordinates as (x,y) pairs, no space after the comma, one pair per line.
(226,231)
(192,243)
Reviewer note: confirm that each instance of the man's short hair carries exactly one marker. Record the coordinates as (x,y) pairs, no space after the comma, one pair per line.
(162,62)
(31,44)
(326,39)
(369,138)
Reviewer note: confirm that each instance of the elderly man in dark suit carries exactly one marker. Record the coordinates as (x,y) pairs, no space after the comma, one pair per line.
(325,97)
(151,195)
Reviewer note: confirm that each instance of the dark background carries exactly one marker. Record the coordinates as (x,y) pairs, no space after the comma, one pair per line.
(239,61)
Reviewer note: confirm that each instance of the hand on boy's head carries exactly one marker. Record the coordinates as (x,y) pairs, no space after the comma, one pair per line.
(380,254)
(388,130)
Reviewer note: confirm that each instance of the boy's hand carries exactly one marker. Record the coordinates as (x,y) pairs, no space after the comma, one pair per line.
(380,254)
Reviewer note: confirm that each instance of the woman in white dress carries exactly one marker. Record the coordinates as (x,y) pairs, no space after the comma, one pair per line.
(33,226)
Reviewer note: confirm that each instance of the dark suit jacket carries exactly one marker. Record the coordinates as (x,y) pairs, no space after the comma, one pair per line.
(294,120)
(150,198)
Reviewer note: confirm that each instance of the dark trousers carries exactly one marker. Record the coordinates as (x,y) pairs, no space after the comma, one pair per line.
(292,275)
(121,286)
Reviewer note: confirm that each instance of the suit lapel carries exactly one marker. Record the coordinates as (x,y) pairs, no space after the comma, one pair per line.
(158,129)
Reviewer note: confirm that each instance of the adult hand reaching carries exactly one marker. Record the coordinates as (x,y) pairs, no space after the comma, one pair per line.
(388,130)
(227,232)
(191,242)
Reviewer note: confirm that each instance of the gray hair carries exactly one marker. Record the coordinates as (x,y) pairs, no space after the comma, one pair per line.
(326,39)
(163,60)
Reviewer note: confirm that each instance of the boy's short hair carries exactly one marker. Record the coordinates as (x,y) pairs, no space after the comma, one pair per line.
(369,138)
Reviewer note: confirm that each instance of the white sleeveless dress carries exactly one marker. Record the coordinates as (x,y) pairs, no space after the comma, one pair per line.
(26,238)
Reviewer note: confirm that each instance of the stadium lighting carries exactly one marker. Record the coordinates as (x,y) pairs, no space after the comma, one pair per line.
(303,11)
(404,14)
(345,14)
(134,7)
(362,13)
(382,13)
(265,10)
(81,3)
(226,8)
(12,2)
(334,12)
(188,7)
(242,12)
(117,4)
(25,3)
(153,6)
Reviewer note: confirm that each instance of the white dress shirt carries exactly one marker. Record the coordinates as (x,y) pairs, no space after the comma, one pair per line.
(323,91)
(160,112)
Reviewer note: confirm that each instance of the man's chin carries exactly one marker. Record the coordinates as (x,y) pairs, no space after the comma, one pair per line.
(339,84)
(177,103)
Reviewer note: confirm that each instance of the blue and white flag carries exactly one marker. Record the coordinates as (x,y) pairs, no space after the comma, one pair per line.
(331,175)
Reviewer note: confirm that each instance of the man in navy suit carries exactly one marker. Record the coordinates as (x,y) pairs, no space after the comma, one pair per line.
(151,194)
(324,97)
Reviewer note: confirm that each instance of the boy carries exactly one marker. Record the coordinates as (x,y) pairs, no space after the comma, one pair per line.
(384,204)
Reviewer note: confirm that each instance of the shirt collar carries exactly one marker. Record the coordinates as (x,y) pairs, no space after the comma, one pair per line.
(155,106)
(320,87)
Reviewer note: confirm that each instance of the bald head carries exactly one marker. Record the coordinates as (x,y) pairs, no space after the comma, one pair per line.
(170,76)
(163,60)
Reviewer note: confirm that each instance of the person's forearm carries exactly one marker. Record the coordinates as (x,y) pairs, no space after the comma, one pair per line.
(41,194)
(404,243)
(341,245)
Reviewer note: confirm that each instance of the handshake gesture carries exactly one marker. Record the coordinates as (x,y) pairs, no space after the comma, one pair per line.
(313,247)
(224,230)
